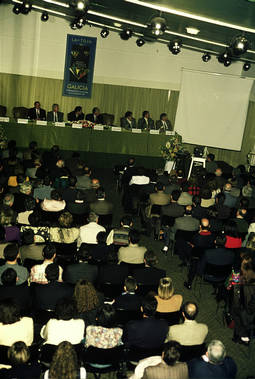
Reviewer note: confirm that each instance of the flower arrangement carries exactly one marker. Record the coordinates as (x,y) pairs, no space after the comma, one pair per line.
(170,149)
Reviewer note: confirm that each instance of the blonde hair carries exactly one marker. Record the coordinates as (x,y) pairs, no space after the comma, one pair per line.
(18,353)
(165,288)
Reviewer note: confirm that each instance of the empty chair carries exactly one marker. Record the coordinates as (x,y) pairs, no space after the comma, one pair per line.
(123,316)
(172,318)
(20,112)
(191,352)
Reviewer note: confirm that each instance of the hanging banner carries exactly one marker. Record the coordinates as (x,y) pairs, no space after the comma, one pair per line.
(79,66)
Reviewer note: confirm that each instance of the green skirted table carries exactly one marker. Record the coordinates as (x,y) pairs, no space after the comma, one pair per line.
(86,140)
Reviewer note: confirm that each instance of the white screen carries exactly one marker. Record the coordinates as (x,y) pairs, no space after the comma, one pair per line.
(212,109)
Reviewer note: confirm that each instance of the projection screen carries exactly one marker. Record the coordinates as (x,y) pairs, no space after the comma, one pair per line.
(212,109)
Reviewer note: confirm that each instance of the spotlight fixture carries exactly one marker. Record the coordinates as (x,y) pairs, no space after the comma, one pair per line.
(16,9)
(175,46)
(104,33)
(126,34)
(246,66)
(206,57)
(26,7)
(225,56)
(44,16)
(158,26)
(80,21)
(227,62)
(79,5)
(73,25)
(140,42)
(239,45)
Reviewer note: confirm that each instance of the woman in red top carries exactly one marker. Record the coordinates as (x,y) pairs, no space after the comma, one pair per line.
(233,239)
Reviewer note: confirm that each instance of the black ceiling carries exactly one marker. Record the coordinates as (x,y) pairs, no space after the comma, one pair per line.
(225,19)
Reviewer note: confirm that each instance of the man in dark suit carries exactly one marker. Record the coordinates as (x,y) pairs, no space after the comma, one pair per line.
(128,122)
(95,116)
(82,269)
(163,124)
(21,294)
(128,300)
(173,209)
(149,275)
(37,113)
(76,114)
(214,364)
(148,333)
(55,115)
(101,206)
(146,123)
(46,296)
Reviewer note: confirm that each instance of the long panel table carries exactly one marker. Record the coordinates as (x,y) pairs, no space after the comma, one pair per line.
(87,140)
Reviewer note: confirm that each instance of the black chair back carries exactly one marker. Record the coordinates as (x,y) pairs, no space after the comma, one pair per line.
(172,318)
(95,355)
(184,235)
(132,267)
(105,220)
(3,355)
(135,354)
(3,111)
(216,273)
(123,316)
(110,290)
(191,352)
(143,289)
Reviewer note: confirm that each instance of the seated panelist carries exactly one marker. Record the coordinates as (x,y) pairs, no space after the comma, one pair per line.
(128,122)
(146,123)
(163,124)
(55,115)
(37,113)
(95,116)
(76,114)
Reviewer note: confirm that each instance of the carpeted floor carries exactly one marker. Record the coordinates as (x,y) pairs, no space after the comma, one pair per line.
(243,356)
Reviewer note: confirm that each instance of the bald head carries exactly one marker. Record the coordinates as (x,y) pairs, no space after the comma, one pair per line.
(204,224)
(228,187)
(190,310)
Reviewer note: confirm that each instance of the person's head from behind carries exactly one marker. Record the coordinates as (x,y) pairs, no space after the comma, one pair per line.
(175,195)
(206,193)
(8,200)
(231,229)
(159,187)
(220,241)
(244,202)
(49,252)
(25,188)
(9,311)
(188,210)
(220,199)
(216,352)
(149,305)
(87,171)
(83,254)
(204,224)
(100,193)
(11,252)
(18,353)
(46,181)
(171,352)
(64,362)
(55,195)
(210,157)
(165,288)
(150,258)
(131,161)
(66,309)
(218,172)
(72,180)
(130,284)
(65,220)
(101,238)
(9,277)
(106,316)
(134,236)
(78,110)
(93,217)
(190,310)
(52,272)
(112,257)
(29,203)
(85,296)
(126,221)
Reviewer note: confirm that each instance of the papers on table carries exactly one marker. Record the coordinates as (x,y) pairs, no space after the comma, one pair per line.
(22,121)
(4,119)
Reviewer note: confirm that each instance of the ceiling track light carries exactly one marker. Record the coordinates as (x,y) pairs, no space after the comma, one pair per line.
(16,9)
(140,42)
(246,66)
(175,46)
(45,16)
(104,33)
(239,45)
(225,58)
(26,7)
(206,57)
(126,34)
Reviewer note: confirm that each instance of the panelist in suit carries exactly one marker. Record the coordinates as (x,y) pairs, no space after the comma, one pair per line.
(128,122)
(76,114)
(55,115)
(37,113)
(95,116)
(163,124)
(146,122)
